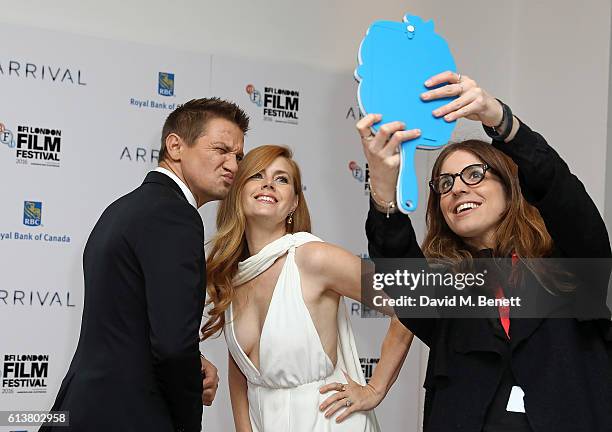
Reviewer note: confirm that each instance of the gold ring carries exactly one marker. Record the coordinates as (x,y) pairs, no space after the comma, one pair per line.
(343,387)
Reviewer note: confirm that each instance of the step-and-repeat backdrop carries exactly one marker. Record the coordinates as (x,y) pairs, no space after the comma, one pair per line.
(83,118)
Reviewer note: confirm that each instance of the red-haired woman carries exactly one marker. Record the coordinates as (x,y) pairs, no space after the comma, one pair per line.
(515,198)
(277,292)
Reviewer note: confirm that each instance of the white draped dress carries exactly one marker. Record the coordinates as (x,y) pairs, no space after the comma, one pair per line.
(284,393)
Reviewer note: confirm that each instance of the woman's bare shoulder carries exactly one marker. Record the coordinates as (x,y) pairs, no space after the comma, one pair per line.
(318,257)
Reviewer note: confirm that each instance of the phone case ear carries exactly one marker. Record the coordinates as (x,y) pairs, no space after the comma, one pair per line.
(395,60)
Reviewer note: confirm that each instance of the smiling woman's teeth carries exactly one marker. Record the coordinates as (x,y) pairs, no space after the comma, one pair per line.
(466,206)
(265,198)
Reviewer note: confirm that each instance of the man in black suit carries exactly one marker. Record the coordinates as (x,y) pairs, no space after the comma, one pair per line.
(137,365)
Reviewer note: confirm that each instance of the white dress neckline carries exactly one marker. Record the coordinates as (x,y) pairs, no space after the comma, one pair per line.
(256,265)
(283,393)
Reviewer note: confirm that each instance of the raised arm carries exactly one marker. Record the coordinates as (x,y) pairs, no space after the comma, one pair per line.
(546,181)
(390,233)
(548,184)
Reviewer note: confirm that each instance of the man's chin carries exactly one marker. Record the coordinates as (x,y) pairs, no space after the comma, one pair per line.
(217,195)
(220,194)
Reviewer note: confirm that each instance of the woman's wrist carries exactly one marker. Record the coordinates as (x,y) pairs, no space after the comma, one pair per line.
(496,116)
(381,191)
(378,199)
(379,390)
(502,131)
(516,124)
(381,203)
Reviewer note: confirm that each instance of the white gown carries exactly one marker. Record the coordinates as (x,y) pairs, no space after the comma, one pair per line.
(284,393)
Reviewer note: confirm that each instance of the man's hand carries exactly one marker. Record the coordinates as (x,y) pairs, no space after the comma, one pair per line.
(210,381)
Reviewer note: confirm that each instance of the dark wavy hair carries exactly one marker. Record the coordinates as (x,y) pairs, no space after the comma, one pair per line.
(521,228)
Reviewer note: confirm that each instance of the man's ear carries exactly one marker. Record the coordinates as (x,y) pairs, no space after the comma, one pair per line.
(174,146)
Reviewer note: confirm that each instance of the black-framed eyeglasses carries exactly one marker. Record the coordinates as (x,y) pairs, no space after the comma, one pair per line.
(470,175)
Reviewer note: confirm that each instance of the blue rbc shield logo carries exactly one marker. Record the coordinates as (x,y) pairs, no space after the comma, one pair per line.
(166,84)
(32,212)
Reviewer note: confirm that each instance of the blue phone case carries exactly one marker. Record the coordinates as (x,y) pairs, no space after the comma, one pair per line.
(395,60)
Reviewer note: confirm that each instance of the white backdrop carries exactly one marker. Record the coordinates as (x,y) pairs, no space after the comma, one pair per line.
(102,98)
(536,56)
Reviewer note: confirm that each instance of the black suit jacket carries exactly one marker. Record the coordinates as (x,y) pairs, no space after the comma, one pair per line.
(563,365)
(137,365)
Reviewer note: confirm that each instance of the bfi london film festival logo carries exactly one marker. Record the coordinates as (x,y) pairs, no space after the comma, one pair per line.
(362,175)
(17,69)
(367,366)
(34,145)
(278,105)
(165,88)
(24,373)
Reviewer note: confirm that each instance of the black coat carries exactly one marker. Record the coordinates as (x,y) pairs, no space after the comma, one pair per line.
(137,364)
(564,366)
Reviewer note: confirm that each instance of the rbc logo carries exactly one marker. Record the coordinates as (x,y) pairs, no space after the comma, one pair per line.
(165,85)
(32,212)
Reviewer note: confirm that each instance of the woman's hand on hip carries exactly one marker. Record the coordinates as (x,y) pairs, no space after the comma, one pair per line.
(350,397)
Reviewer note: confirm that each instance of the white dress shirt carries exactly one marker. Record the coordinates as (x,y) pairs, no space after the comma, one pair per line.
(182,185)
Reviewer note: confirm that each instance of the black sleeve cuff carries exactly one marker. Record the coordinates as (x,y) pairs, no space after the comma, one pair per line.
(391,237)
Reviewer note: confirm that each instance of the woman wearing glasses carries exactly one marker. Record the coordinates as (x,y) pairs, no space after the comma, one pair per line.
(515,198)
